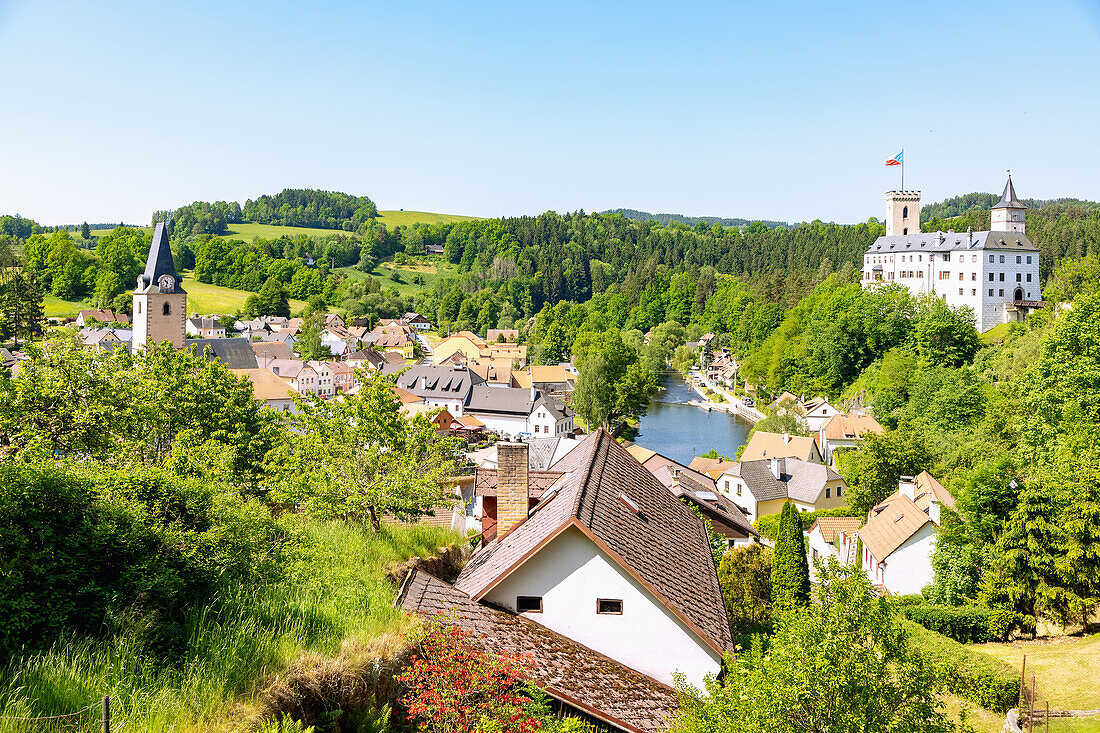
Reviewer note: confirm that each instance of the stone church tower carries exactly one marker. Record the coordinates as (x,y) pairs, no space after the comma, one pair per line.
(160,304)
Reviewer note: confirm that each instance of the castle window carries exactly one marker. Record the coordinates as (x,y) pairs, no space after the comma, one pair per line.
(974,292)
(167,309)
(1029,259)
(1002,259)
(905,212)
(1017,277)
(1001,293)
(991,292)
(960,291)
(990,258)
(991,277)
(139,307)
(1029,277)
(905,230)
(1017,259)
(1002,277)
(973,276)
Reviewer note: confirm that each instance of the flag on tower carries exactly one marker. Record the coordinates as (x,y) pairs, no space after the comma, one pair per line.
(896,160)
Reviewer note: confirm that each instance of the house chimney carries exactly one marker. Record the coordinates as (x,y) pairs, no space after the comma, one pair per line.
(907,487)
(934,511)
(512,492)
(786,437)
(776,465)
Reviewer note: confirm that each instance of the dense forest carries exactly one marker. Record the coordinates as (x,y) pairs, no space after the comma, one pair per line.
(666,219)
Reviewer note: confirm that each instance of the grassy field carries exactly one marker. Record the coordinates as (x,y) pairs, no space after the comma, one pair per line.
(431,271)
(995,334)
(247,231)
(1067,669)
(333,611)
(201,298)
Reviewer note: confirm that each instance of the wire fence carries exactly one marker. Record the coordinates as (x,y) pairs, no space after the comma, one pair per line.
(96,718)
(1042,710)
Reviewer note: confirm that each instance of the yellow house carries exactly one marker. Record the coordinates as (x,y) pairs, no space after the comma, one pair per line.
(469,344)
(762,487)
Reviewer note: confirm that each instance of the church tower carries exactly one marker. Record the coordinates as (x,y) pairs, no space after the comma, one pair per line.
(160,304)
(1007,214)
(902,212)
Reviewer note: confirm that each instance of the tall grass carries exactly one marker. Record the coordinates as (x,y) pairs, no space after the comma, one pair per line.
(332,592)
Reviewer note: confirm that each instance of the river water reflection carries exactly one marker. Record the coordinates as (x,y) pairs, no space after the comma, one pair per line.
(681,431)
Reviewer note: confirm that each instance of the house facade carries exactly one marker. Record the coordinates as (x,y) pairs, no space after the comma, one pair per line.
(762,487)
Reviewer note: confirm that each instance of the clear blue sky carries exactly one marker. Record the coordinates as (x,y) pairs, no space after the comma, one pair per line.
(778,110)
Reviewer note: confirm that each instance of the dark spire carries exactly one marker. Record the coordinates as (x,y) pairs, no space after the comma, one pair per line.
(1008,198)
(160,261)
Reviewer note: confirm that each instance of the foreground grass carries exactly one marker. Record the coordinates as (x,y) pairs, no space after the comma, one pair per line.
(333,594)
(1066,669)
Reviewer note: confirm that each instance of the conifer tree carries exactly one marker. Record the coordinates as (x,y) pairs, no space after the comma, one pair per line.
(1022,575)
(790,579)
(1078,565)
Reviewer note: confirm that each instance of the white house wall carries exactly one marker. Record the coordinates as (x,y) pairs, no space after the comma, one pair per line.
(907,569)
(570,574)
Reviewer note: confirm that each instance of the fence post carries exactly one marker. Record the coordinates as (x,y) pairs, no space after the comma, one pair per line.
(1030,712)
(106,714)
(1047,718)
(1023,682)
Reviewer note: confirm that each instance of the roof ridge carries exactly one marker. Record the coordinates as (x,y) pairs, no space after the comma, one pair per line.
(588,474)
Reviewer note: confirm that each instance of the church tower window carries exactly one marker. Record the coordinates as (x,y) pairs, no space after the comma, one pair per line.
(167,309)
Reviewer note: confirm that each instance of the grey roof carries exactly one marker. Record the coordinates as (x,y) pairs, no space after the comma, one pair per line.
(567,670)
(438,382)
(540,452)
(485,398)
(663,542)
(950,242)
(798,480)
(235,353)
(160,261)
(1008,198)
(556,411)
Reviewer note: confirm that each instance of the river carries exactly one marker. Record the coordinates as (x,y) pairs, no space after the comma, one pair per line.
(681,431)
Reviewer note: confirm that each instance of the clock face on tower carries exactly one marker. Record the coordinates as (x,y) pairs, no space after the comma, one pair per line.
(166,283)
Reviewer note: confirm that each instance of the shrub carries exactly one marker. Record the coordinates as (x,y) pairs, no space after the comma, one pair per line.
(973,676)
(964,624)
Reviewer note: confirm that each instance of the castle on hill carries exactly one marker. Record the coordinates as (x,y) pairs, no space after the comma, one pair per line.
(994,273)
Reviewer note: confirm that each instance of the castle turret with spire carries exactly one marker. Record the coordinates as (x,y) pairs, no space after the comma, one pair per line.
(1007,215)
(160,303)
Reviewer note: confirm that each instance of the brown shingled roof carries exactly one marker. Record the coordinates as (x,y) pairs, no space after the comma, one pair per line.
(892,526)
(485,482)
(663,546)
(567,670)
(831,527)
(926,488)
(841,426)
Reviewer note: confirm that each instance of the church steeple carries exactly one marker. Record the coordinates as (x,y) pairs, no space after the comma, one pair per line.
(160,304)
(1007,215)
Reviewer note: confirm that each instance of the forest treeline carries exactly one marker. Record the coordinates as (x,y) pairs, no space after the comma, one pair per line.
(666,219)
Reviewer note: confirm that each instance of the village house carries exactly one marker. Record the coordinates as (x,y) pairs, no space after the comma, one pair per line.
(269,389)
(104,338)
(265,351)
(469,344)
(333,319)
(699,489)
(297,373)
(843,432)
(105,316)
(900,535)
(833,537)
(206,328)
(763,486)
(781,445)
(816,412)
(326,380)
(608,556)
(343,376)
(367,358)
(416,321)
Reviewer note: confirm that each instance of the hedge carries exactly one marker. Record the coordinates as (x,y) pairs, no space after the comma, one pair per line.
(973,676)
(965,624)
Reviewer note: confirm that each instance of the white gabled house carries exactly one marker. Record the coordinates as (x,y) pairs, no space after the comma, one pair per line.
(608,558)
(900,535)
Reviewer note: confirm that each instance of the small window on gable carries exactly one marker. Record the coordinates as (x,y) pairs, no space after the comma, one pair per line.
(529,604)
(839,491)
(609,606)
(828,493)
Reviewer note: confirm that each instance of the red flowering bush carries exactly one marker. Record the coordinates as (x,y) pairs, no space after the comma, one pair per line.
(453,687)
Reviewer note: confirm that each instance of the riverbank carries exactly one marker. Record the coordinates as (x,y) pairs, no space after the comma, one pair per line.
(732,404)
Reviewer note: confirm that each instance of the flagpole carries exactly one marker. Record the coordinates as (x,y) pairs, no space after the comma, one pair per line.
(903,170)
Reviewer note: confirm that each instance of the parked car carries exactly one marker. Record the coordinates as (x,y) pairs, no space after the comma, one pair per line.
(749,402)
